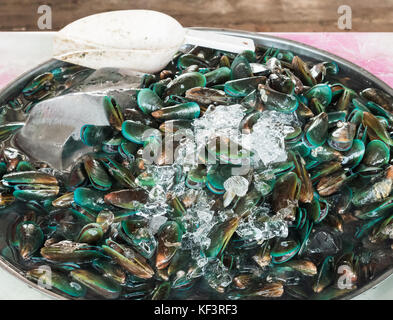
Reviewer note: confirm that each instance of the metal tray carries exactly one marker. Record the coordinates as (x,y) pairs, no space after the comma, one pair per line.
(358,78)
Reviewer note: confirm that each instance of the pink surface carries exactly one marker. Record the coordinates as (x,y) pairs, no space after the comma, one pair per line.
(372,51)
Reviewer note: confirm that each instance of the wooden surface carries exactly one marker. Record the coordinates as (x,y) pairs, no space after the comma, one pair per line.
(252,15)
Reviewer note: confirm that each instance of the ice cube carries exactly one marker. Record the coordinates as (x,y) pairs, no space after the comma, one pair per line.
(156,222)
(237,184)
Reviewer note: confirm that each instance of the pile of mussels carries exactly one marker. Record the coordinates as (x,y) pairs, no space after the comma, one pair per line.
(315,224)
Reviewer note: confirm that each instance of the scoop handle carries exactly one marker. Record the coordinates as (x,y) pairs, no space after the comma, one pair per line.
(218,41)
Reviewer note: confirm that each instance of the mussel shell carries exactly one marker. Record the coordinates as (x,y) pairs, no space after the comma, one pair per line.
(110,270)
(287,188)
(90,233)
(322,92)
(64,201)
(379,97)
(98,176)
(184,111)
(161,292)
(169,240)
(149,101)
(284,250)
(377,154)
(56,280)
(128,259)
(341,138)
(122,174)
(218,76)
(184,82)
(98,284)
(89,198)
(243,87)
(240,68)
(67,251)
(220,235)
(8,129)
(29,177)
(29,237)
(207,96)
(138,234)
(137,132)
(316,131)
(375,130)
(325,275)
(277,101)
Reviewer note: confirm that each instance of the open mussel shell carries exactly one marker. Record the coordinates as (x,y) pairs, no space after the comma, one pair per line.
(342,137)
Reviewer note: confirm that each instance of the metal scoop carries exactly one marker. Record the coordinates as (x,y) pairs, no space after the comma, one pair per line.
(138,40)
